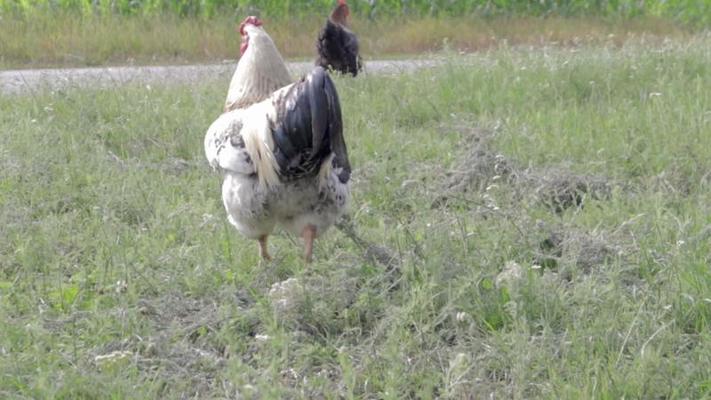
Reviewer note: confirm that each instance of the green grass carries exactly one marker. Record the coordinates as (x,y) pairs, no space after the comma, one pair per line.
(120,278)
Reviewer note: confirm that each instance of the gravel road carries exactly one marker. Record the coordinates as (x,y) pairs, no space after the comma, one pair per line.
(22,81)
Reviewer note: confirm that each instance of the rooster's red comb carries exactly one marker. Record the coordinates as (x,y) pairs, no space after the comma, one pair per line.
(251,20)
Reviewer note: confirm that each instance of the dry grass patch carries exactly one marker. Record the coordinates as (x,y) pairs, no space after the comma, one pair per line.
(480,168)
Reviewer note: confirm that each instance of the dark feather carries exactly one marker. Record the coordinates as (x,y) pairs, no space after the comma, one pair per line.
(309,128)
(338,49)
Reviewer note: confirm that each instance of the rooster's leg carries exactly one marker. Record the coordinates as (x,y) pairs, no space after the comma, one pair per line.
(309,234)
(263,250)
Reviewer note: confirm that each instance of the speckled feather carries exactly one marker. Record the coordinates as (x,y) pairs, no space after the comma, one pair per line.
(284,159)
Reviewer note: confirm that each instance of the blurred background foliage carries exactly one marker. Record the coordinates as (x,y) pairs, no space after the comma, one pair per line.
(697,12)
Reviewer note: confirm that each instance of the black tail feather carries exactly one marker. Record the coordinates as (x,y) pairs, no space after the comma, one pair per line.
(309,128)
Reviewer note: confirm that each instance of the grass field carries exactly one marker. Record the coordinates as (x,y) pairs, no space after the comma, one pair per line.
(545,212)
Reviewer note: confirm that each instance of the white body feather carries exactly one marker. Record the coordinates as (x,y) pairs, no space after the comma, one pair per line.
(239,143)
(261,70)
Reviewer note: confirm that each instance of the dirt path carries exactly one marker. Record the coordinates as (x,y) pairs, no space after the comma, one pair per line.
(21,81)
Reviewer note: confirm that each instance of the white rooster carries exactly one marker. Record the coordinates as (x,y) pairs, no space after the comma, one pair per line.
(261,69)
(284,159)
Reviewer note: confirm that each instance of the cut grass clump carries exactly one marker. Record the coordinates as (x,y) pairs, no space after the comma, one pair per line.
(480,169)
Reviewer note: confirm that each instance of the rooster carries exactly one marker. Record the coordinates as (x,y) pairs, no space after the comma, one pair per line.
(261,69)
(284,160)
(337,46)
